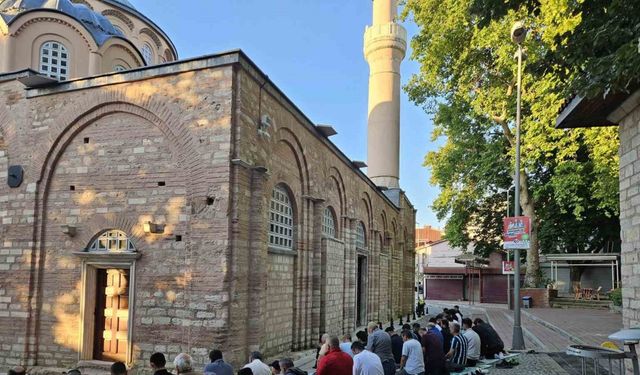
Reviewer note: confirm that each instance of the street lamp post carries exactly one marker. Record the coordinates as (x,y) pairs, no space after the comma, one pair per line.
(518,34)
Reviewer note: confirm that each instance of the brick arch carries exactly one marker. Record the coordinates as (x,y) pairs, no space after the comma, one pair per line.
(336,177)
(288,137)
(84,114)
(99,224)
(366,199)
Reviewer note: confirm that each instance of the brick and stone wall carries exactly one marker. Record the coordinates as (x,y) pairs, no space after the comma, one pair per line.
(630,216)
(332,286)
(179,145)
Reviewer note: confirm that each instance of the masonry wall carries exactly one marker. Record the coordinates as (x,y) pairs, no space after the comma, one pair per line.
(332,286)
(291,153)
(630,217)
(94,159)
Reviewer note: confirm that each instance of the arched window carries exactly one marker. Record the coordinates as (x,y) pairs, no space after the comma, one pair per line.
(281,219)
(329,223)
(361,238)
(112,241)
(147,54)
(119,68)
(54,60)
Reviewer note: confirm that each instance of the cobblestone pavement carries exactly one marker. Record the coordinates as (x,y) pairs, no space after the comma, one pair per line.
(533,364)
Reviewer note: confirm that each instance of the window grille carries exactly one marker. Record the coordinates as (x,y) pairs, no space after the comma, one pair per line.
(328,223)
(281,219)
(112,241)
(361,239)
(147,54)
(54,60)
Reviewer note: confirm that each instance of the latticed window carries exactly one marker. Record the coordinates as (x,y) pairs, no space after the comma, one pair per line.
(119,68)
(328,223)
(54,60)
(147,53)
(281,219)
(112,241)
(361,239)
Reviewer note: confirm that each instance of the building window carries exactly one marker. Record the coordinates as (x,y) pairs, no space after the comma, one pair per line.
(54,60)
(147,54)
(281,219)
(119,68)
(361,238)
(329,223)
(113,241)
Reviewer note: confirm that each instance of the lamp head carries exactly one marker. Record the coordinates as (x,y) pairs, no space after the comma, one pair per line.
(518,32)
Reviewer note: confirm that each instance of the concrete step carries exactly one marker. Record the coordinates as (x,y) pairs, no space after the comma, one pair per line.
(596,305)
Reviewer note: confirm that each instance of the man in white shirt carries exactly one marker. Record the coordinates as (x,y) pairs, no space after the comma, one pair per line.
(256,365)
(473,345)
(365,362)
(412,362)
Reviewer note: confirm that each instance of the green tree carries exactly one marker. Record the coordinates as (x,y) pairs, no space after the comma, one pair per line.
(467,80)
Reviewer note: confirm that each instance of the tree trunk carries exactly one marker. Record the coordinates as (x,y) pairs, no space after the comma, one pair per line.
(533,254)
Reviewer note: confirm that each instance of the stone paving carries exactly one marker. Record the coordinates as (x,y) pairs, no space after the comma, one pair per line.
(547,332)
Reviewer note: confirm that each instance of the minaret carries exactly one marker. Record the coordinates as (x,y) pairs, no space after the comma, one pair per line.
(385,44)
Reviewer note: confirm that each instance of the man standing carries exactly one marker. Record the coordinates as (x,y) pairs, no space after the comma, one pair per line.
(218,366)
(365,362)
(474,343)
(379,343)
(335,362)
(157,362)
(396,344)
(412,362)
(458,352)
(256,365)
(446,335)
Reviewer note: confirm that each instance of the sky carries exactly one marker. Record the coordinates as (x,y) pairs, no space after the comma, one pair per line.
(312,50)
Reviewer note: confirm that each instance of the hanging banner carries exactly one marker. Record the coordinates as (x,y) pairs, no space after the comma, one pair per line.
(516,232)
(508,267)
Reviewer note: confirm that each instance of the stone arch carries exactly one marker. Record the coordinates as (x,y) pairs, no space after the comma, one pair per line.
(94,107)
(288,137)
(83,2)
(148,32)
(336,177)
(120,16)
(366,198)
(24,20)
(99,224)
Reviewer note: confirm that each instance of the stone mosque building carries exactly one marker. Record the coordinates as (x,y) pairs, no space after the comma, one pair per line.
(152,204)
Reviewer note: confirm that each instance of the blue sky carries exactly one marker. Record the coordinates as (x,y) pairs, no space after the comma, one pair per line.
(312,50)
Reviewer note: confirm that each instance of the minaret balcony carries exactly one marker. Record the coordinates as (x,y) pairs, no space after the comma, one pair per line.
(389,35)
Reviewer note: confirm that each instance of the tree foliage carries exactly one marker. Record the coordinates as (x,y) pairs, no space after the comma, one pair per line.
(467,79)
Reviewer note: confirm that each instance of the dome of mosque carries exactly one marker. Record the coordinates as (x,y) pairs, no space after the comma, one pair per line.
(98,25)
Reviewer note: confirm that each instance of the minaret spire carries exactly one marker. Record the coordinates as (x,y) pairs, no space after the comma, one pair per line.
(385,45)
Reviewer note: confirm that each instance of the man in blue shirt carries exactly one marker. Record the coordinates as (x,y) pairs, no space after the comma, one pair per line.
(217,366)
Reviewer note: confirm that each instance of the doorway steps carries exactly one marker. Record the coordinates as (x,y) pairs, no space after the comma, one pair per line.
(572,303)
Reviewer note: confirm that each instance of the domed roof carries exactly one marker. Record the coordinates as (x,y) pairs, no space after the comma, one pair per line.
(98,25)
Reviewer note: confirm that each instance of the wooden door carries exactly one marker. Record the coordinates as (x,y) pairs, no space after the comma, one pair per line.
(112,327)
